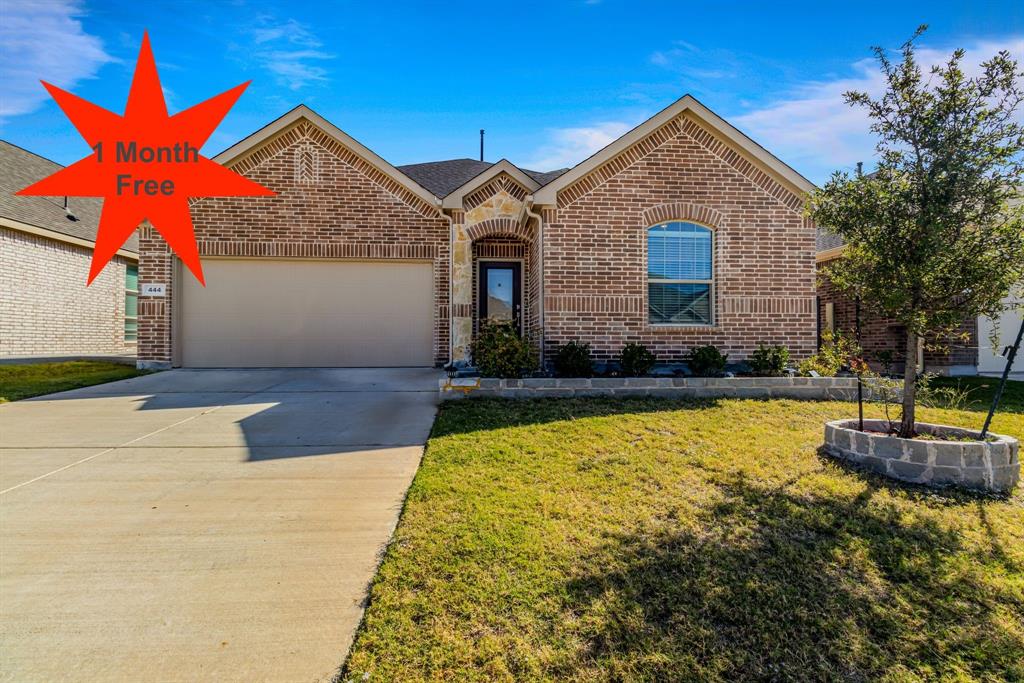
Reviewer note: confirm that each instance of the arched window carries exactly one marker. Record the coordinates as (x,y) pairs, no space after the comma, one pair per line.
(680,277)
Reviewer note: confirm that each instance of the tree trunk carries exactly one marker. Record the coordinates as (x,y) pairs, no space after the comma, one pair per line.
(909,387)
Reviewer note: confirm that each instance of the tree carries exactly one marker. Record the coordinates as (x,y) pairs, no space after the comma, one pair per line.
(936,234)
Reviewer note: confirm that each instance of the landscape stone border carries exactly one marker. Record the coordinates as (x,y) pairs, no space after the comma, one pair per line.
(992,466)
(811,388)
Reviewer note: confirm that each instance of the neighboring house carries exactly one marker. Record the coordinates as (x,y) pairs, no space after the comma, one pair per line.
(680,233)
(45,251)
(968,352)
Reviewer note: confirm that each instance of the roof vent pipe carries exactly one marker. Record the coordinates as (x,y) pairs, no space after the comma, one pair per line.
(481,144)
(67,211)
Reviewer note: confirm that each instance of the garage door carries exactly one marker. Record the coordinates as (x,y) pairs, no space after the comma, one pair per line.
(291,313)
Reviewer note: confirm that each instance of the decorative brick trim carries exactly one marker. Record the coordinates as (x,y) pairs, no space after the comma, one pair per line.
(339,250)
(500,250)
(462,310)
(682,211)
(620,162)
(500,227)
(593,304)
(702,136)
(305,131)
(767,304)
(149,306)
(737,161)
(502,181)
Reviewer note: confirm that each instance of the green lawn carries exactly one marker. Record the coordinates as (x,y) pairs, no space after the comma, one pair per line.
(35,379)
(660,540)
(981,390)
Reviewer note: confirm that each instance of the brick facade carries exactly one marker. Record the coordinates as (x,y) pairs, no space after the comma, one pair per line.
(958,353)
(584,263)
(45,307)
(330,203)
(595,250)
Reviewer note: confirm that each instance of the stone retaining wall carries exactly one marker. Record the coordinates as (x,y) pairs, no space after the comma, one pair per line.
(989,466)
(813,388)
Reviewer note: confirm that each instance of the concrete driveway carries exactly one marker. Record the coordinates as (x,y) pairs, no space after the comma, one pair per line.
(201,524)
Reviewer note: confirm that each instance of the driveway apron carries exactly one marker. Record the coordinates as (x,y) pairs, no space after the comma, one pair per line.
(201,524)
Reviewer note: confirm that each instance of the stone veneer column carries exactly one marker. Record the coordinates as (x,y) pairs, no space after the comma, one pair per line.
(462,288)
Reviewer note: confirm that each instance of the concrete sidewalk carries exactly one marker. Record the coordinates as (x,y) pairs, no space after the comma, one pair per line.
(201,525)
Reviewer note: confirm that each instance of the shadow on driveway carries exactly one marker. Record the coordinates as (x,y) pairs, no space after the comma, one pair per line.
(274,413)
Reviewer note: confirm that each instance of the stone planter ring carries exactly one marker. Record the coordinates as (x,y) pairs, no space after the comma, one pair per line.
(992,465)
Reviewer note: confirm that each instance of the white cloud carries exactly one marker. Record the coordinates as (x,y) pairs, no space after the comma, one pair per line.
(291,52)
(568,146)
(43,40)
(816,132)
(692,62)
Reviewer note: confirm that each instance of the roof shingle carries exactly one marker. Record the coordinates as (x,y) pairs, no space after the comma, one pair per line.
(19,169)
(444,177)
(825,240)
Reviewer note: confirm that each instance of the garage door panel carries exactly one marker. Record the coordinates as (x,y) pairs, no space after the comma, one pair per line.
(290,313)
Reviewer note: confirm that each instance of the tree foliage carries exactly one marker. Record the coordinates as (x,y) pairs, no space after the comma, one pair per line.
(935,235)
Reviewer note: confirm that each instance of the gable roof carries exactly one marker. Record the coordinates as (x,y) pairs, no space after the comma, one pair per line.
(20,168)
(284,122)
(453,200)
(434,180)
(444,177)
(770,163)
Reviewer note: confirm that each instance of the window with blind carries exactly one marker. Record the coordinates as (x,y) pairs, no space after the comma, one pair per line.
(680,274)
(131,304)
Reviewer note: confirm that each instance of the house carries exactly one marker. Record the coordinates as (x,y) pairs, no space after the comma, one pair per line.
(968,352)
(45,251)
(682,232)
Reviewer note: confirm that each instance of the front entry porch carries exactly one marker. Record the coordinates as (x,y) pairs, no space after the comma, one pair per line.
(495,266)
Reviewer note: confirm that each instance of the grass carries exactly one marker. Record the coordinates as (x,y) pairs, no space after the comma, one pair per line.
(981,390)
(655,540)
(35,379)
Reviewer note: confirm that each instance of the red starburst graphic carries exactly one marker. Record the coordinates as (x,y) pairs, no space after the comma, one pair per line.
(145,165)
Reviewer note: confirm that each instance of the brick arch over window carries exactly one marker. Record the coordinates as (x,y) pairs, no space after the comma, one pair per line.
(500,227)
(682,211)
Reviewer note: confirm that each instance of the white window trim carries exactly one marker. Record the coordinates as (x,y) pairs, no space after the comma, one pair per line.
(712,307)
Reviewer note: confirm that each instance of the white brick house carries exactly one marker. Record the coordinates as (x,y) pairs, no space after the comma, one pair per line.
(45,251)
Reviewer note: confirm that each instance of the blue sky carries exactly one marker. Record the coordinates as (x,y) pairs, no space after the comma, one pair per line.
(551,82)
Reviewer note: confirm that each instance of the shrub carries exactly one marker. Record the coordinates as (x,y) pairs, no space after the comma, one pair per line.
(887,359)
(498,351)
(769,361)
(836,353)
(706,361)
(573,360)
(636,360)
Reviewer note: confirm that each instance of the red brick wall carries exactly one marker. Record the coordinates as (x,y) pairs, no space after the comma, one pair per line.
(595,275)
(883,334)
(329,204)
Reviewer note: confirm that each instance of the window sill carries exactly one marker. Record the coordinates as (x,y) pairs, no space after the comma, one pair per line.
(669,327)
